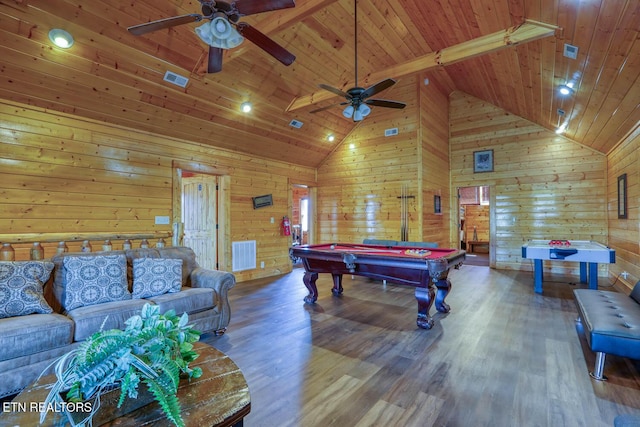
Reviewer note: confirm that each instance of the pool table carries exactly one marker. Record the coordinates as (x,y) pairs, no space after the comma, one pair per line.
(423,268)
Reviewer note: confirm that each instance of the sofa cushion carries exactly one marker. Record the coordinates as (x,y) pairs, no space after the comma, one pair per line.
(105,316)
(188,300)
(94,280)
(156,276)
(33,333)
(21,284)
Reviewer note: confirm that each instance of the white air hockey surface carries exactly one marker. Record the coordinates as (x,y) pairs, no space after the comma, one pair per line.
(577,250)
(586,252)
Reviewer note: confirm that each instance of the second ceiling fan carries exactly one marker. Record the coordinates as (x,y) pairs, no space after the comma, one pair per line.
(358,98)
(219,32)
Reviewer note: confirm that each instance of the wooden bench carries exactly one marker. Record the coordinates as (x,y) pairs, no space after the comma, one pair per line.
(472,243)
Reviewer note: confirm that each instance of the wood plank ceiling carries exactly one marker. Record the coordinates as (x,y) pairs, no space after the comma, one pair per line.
(113,76)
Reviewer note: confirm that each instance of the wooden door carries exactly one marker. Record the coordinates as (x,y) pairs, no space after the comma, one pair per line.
(199,215)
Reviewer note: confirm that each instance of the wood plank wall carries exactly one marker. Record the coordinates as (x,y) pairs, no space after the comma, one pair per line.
(68,177)
(434,127)
(478,216)
(361,182)
(545,186)
(624,234)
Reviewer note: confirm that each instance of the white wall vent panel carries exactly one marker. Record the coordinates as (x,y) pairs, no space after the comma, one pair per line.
(296,123)
(570,51)
(391,132)
(243,255)
(176,79)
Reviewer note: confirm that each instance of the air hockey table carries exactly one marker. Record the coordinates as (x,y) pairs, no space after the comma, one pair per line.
(588,253)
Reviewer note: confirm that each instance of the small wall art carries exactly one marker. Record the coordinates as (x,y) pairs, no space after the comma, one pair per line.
(622,196)
(483,161)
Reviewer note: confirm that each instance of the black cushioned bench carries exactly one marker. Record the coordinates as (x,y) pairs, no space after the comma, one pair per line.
(611,323)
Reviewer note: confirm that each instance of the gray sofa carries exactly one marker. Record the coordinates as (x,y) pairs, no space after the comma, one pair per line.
(30,343)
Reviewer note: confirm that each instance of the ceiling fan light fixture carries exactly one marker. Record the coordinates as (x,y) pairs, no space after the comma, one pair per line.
(348,112)
(364,109)
(219,33)
(61,38)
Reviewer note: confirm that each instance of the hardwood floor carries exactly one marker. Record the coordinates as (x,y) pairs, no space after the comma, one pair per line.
(503,356)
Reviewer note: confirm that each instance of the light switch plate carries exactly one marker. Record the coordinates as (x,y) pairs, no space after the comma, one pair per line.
(162,220)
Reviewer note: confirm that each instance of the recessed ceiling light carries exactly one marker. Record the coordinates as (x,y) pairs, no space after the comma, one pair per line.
(246,107)
(61,38)
(567,88)
(331,138)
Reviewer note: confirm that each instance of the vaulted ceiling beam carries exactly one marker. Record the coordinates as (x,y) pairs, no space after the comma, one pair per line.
(526,32)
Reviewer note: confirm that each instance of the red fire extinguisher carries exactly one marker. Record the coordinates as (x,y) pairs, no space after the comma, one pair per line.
(286,226)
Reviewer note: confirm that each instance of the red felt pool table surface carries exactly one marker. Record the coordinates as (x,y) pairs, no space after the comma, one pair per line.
(424,268)
(383,251)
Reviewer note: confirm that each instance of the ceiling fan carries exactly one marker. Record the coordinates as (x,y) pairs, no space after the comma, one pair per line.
(219,32)
(358,97)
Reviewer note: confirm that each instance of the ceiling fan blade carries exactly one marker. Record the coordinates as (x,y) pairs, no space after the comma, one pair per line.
(378,87)
(250,7)
(214,64)
(385,103)
(334,90)
(161,24)
(317,110)
(265,43)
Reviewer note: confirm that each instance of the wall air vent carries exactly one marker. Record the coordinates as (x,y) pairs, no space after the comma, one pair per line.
(561,112)
(176,79)
(570,51)
(296,123)
(391,132)
(243,255)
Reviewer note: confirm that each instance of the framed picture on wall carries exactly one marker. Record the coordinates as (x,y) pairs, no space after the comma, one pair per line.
(622,196)
(483,161)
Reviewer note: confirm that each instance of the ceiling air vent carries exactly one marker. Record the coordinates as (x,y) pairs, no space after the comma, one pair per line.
(570,51)
(296,123)
(391,132)
(176,79)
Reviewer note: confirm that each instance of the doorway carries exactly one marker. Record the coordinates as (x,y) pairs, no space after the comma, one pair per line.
(204,212)
(200,217)
(474,205)
(300,215)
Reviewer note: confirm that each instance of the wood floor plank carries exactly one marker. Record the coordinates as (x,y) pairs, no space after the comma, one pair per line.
(503,356)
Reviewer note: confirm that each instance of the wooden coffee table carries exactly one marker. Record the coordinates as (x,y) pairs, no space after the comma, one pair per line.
(220,397)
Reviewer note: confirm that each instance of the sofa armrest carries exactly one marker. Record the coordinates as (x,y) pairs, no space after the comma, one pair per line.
(220,282)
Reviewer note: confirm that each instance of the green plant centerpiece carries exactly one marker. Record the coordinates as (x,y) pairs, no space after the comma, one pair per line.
(154,349)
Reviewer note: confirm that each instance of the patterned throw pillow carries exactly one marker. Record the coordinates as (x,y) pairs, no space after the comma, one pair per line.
(156,276)
(21,284)
(94,279)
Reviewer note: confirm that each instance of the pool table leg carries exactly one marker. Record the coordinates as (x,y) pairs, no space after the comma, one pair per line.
(425,300)
(309,280)
(443,286)
(337,285)
(439,273)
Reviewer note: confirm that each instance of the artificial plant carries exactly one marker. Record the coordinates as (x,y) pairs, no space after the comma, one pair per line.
(153,349)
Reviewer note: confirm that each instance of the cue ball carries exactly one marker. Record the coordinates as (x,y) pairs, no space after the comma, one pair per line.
(332,247)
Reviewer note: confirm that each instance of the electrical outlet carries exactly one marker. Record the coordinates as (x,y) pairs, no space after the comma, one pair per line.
(261,264)
(624,275)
